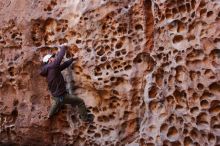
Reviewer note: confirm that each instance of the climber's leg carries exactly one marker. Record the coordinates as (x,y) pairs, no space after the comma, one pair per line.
(76,101)
(55,106)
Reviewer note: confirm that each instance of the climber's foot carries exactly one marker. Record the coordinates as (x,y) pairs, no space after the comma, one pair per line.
(89,119)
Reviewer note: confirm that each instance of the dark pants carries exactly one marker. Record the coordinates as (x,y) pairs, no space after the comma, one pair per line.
(69,99)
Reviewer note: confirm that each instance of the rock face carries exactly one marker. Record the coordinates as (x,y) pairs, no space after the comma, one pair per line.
(148,71)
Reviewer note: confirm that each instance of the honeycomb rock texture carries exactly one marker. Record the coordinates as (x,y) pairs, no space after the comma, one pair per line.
(149,70)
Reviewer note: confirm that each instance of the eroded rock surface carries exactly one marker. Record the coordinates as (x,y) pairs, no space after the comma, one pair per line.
(148,71)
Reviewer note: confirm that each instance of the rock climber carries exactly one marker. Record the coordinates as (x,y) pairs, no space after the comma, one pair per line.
(52,71)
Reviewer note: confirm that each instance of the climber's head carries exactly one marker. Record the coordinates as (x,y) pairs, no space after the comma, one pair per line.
(49,58)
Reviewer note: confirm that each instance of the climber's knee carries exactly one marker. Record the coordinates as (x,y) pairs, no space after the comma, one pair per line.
(54,108)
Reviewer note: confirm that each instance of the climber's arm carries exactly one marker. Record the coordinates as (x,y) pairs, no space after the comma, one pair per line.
(66,64)
(59,57)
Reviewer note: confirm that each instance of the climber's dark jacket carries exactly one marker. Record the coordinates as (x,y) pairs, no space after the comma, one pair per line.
(52,71)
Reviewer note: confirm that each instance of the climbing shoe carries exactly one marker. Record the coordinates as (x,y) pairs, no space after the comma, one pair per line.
(89,118)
